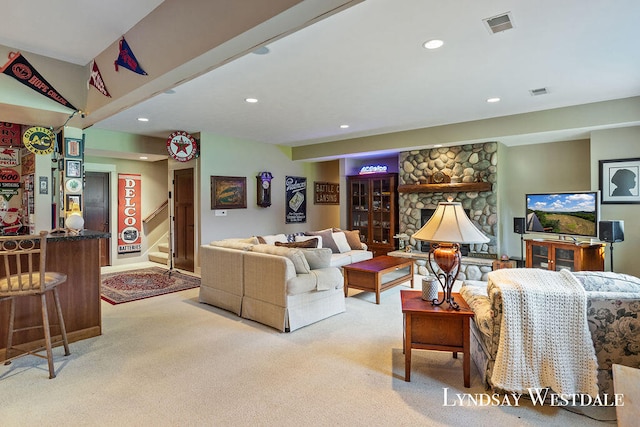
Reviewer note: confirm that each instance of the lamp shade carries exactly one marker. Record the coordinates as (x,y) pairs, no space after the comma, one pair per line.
(450,224)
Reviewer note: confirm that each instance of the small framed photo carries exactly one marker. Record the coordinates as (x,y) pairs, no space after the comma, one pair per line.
(73,169)
(73,148)
(71,199)
(228,192)
(619,181)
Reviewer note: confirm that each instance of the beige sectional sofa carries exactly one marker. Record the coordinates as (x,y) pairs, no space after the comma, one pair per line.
(282,287)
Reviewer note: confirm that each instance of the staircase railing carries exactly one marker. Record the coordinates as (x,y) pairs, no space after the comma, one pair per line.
(156,212)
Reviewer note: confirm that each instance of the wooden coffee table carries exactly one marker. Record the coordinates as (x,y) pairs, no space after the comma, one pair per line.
(436,327)
(377,274)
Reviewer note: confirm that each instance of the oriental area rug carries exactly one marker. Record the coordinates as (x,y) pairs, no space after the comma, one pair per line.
(135,285)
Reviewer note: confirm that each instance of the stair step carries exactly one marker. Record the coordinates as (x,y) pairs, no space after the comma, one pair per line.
(159,257)
(163,247)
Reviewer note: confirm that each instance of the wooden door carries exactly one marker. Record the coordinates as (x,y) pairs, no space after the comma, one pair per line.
(96,209)
(184,238)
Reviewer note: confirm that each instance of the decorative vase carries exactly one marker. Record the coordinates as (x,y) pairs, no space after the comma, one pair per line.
(430,285)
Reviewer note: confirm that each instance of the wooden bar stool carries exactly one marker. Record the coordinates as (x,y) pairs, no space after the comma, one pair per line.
(24,275)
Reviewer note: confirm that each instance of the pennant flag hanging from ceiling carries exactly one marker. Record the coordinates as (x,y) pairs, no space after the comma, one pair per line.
(20,69)
(127,59)
(96,81)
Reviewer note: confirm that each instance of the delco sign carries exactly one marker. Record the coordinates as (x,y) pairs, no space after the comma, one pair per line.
(129,213)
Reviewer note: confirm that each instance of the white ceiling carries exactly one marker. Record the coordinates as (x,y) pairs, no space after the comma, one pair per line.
(366,66)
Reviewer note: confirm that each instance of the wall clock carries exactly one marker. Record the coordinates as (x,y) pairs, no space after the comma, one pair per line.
(264,189)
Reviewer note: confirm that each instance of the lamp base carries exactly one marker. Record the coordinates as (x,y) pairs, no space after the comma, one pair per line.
(447,257)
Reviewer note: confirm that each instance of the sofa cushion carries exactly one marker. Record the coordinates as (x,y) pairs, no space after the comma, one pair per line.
(327,239)
(295,255)
(328,278)
(318,258)
(307,244)
(361,255)
(341,242)
(272,239)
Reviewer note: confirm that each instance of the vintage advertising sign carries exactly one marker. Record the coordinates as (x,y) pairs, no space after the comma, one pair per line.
(129,213)
(39,140)
(182,146)
(296,197)
(9,134)
(326,193)
(9,182)
(9,156)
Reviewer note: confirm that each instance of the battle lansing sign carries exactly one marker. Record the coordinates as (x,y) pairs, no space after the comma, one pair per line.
(326,193)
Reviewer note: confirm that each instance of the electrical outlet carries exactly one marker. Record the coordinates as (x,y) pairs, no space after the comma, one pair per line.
(221,212)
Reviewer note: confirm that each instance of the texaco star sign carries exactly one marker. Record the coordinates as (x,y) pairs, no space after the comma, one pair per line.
(182,146)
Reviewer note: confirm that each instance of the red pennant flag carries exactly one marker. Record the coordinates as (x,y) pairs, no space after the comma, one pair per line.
(96,81)
(20,69)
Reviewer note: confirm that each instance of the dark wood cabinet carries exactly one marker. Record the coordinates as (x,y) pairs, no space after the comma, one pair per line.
(558,255)
(373,209)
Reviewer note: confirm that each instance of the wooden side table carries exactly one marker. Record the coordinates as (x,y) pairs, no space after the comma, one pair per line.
(433,327)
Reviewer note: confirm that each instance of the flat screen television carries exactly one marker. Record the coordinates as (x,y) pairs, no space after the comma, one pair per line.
(572,214)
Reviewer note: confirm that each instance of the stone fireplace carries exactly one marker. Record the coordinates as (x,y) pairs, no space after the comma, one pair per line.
(473,175)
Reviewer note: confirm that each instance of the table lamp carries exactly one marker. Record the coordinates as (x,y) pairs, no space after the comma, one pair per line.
(447,228)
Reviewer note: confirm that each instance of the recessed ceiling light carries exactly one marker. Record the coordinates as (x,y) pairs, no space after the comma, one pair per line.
(433,44)
(144,158)
(344,126)
(492,100)
(251,100)
(143,119)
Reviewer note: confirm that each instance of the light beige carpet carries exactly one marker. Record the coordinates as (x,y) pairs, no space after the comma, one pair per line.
(171,361)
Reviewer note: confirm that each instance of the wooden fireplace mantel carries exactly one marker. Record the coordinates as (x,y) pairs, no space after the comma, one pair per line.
(455,187)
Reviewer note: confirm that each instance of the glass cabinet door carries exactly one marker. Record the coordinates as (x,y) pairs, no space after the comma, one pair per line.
(381,210)
(360,207)
(540,256)
(564,259)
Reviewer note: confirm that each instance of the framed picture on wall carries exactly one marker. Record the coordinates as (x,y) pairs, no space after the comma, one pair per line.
(73,148)
(619,181)
(73,169)
(71,199)
(228,192)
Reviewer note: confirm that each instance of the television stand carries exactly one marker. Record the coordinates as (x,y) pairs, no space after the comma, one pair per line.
(563,254)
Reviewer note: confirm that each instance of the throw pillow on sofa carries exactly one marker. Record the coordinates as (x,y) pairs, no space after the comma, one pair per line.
(327,239)
(306,244)
(341,242)
(295,255)
(353,238)
(318,258)
(272,239)
(304,238)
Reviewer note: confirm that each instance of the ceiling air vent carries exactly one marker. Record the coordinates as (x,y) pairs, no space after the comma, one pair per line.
(539,91)
(499,23)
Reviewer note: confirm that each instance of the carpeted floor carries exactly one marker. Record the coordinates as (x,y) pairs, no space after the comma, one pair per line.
(172,361)
(135,285)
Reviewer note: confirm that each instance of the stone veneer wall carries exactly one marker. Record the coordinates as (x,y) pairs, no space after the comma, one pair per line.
(463,163)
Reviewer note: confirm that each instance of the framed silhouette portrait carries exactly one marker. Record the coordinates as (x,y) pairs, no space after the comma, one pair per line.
(619,181)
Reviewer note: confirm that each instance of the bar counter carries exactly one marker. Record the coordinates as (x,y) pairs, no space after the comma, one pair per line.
(78,256)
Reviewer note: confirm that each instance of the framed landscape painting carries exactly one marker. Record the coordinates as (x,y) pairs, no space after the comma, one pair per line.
(619,181)
(228,192)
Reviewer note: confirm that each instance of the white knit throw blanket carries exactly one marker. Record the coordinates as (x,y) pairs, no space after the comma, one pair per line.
(544,336)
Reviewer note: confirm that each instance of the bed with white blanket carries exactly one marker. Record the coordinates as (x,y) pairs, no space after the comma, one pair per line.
(562,330)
